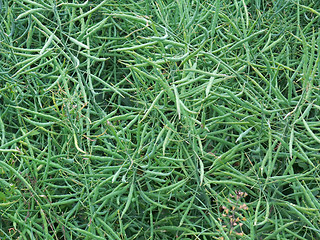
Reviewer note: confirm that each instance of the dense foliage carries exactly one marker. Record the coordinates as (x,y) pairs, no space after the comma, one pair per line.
(159,119)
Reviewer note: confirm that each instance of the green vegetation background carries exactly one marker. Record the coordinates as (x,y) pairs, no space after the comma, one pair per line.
(159,119)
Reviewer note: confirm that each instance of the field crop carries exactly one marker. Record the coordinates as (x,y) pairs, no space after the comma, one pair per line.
(159,119)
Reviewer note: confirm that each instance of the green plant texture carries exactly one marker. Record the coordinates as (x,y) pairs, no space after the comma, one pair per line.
(163,119)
